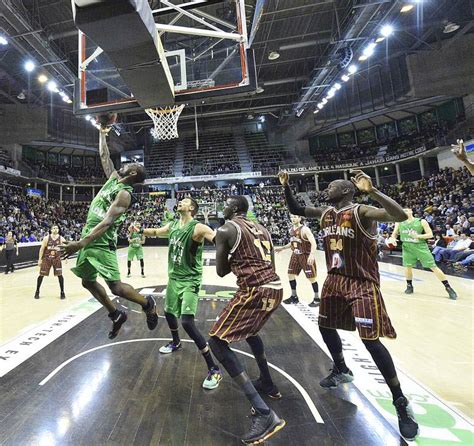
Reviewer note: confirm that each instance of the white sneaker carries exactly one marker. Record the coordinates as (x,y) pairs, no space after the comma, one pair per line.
(213,379)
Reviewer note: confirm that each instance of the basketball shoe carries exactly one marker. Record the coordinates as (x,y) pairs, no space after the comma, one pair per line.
(291,300)
(118,319)
(271,391)
(37,295)
(409,289)
(315,303)
(451,293)
(263,427)
(214,377)
(151,315)
(62,296)
(170,348)
(335,378)
(406,419)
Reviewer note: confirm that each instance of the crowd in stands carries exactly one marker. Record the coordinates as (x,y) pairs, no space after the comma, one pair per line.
(265,157)
(445,200)
(159,161)
(67,174)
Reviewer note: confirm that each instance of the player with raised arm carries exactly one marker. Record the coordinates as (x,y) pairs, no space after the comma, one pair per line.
(303,257)
(351,296)
(186,240)
(414,233)
(245,248)
(459,151)
(98,244)
(50,256)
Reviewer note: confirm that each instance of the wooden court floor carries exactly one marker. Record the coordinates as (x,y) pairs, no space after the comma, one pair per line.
(128,394)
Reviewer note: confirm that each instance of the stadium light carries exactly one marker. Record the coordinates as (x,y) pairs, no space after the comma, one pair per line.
(352,69)
(324,101)
(53,87)
(330,93)
(3,40)
(88,117)
(316,111)
(369,50)
(337,86)
(406,8)
(29,66)
(345,78)
(387,30)
(320,106)
(42,79)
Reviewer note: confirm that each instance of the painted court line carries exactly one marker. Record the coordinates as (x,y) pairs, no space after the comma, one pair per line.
(298,386)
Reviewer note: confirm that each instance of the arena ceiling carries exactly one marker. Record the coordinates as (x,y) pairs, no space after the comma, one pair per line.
(309,35)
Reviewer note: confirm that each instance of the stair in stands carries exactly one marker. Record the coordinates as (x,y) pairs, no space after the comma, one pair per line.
(242,153)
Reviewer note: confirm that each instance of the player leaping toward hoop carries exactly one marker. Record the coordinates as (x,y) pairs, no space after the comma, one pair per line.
(98,243)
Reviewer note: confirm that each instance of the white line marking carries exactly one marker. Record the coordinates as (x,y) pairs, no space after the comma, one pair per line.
(298,386)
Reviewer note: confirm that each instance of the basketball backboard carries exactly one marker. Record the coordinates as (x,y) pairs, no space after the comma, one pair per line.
(205,49)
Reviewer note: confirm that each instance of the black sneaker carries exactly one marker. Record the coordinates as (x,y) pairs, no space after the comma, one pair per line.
(451,293)
(271,391)
(37,295)
(151,315)
(117,322)
(62,296)
(263,427)
(335,378)
(291,300)
(315,303)
(409,289)
(406,420)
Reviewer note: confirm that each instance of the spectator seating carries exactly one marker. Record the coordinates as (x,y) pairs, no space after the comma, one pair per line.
(265,157)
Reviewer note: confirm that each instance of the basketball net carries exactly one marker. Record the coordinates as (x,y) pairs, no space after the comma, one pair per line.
(165,121)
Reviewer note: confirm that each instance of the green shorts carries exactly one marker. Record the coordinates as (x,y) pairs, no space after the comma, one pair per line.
(413,252)
(182,297)
(135,252)
(96,261)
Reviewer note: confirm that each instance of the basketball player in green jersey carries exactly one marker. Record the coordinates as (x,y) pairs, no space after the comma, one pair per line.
(136,239)
(98,244)
(186,239)
(414,233)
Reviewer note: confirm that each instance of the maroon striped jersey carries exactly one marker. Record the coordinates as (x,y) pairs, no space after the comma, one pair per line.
(350,250)
(250,257)
(52,249)
(298,244)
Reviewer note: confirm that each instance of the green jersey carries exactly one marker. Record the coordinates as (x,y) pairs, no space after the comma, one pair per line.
(136,239)
(408,228)
(184,254)
(97,210)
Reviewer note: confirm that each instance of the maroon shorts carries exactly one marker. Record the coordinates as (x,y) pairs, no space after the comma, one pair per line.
(246,313)
(350,303)
(49,262)
(299,262)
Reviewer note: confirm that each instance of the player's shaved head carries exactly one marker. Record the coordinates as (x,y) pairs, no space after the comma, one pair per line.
(340,189)
(235,204)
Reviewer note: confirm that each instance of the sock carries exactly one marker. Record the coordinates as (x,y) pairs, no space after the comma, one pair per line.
(410,282)
(114,314)
(61,283)
(142,265)
(252,395)
(39,281)
(395,388)
(334,344)
(340,363)
(206,353)
(316,290)
(293,287)
(129,265)
(445,283)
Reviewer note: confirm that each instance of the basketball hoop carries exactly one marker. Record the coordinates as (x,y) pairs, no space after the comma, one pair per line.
(165,121)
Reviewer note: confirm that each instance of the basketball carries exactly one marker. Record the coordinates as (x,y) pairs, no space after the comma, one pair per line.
(107,119)
(391,243)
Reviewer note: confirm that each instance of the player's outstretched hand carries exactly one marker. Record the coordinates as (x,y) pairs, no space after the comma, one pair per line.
(284,177)
(105,129)
(69,248)
(362,181)
(459,150)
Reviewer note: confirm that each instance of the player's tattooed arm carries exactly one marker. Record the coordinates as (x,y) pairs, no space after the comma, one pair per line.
(104,154)
(117,208)
(225,239)
(294,207)
(157,232)
(391,210)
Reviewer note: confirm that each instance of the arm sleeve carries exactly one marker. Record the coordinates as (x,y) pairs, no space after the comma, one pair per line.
(294,207)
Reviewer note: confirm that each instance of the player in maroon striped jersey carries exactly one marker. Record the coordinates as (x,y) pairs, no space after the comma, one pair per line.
(303,257)
(245,248)
(351,296)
